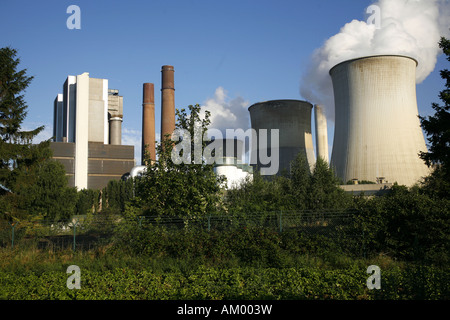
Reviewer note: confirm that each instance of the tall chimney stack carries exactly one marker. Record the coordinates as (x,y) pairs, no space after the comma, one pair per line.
(167,101)
(148,122)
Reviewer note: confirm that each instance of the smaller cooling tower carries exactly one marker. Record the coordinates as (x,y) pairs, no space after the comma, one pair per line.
(320,122)
(377,129)
(293,119)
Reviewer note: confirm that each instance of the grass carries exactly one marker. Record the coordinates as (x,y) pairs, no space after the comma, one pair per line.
(106,257)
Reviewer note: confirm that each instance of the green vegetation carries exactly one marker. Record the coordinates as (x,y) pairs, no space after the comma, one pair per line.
(437,128)
(174,234)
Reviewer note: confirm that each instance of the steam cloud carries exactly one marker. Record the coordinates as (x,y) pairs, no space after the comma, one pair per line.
(226,113)
(406,27)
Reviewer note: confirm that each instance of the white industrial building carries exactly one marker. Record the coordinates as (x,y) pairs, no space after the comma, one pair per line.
(87,132)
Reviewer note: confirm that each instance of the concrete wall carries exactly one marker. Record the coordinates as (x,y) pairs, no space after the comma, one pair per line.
(105,162)
(293,119)
(98,118)
(377,131)
(65,154)
(108,162)
(367,189)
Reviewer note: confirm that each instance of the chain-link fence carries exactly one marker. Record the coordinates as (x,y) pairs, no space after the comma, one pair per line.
(88,232)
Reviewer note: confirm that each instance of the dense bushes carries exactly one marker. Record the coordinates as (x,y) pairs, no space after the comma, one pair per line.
(232,283)
(407,225)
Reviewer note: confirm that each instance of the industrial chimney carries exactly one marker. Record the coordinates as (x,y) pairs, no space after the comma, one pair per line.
(293,119)
(377,131)
(148,122)
(320,122)
(167,101)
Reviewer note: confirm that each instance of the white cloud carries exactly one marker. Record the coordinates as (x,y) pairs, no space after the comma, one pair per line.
(411,28)
(227,113)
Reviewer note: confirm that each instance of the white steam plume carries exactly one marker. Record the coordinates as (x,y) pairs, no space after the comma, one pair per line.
(226,113)
(406,27)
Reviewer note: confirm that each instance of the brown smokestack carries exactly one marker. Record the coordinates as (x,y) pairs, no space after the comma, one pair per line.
(148,122)
(167,101)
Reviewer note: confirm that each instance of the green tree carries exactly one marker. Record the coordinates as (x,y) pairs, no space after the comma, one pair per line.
(259,195)
(184,189)
(300,179)
(87,201)
(437,128)
(14,142)
(324,191)
(36,184)
(406,224)
(49,195)
(117,193)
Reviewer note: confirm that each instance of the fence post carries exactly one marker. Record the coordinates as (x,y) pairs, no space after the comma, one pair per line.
(209,222)
(74,234)
(13,226)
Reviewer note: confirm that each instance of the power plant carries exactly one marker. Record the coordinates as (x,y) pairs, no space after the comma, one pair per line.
(377,133)
(293,120)
(87,131)
(377,130)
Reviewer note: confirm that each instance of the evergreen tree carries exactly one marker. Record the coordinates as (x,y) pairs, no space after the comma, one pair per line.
(15,144)
(300,178)
(324,191)
(437,127)
(36,185)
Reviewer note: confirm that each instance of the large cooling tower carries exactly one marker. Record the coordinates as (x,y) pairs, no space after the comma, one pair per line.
(293,119)
(377,130)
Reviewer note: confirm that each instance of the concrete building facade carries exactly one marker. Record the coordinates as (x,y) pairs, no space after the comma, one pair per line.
(87,133)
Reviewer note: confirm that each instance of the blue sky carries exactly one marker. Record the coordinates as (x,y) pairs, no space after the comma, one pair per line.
(254,50)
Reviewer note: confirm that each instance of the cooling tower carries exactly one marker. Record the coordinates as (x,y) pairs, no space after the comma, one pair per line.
(148,122)
(377,130)
(320,122)
(293,119)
